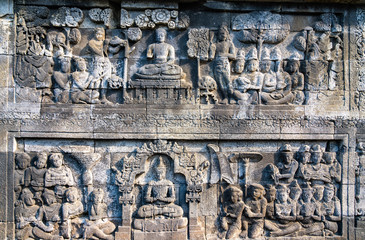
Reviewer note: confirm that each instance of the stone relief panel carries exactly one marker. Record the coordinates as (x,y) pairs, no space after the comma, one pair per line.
(163,189)
(359,192)
(160,53)
(360,40)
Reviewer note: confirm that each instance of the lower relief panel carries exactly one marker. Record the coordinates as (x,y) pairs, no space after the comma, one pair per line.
(97,189)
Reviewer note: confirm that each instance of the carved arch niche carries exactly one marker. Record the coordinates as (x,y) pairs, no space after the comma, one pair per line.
(152,201)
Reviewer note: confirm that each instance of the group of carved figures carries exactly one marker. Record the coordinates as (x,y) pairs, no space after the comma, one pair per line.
(45,61)
(260,80)
(262,76)
(297,197)
(48,203)
(302,199)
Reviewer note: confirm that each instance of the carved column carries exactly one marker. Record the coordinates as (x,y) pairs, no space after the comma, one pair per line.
(126,200)
(193,197)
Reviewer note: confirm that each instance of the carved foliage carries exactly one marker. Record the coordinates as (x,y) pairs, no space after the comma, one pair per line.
(199,43)
(271,28)
(101,15)
(67,17)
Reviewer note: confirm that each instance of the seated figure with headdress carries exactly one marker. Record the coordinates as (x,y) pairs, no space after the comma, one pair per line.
(160,198)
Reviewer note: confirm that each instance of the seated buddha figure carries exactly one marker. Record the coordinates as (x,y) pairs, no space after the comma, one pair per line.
(163,55)
(160,196)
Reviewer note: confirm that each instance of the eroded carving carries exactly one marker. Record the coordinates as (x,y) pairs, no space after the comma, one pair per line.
(232,216)
(262,26)
(48,220)
(285,171)
(101,15)
(67,17)
(102,70)
(25,215)
(98,225)
(22,161)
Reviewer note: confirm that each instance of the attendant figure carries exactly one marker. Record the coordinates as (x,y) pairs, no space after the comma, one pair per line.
(48,218)
(297,80)
(62,81)
(332,209)
(269,77)
(295,192)
(304,157)
(102,69)
(282,93)
(98,226)
(255,211)
(286,169)
(224,52)
(25,215)
(57,174)
(22,161)
(248,85)
(231,220)
(285,213)
(309,214)
(317,172)
(72,208)
(34,175)
(80,83)
(335,167)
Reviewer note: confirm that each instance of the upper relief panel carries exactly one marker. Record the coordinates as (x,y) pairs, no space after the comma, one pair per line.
(166,53)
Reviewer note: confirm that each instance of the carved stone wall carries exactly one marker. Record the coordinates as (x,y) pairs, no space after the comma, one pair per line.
(182,120)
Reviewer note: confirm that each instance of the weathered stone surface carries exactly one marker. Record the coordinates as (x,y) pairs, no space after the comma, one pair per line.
(182,120)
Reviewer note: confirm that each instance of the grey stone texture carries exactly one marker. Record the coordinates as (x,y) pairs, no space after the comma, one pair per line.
(182,120)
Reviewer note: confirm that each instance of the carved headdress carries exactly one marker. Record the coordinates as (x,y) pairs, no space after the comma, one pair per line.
(282,187)
(22,157)
(286,148)
(48,193)
(265,55)
(276,54)
(304,148)
(241,54)
(257,186)
(224,29)
(160,163)
(316,148)
(307,185)
(295,57)
(252,54)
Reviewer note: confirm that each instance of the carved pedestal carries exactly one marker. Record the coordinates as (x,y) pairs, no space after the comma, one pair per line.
(155,83)
(178,235)
(123,233)
(161,229)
